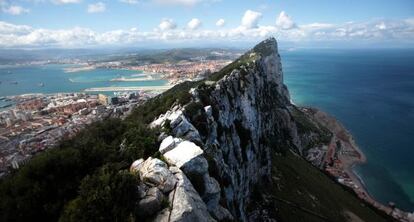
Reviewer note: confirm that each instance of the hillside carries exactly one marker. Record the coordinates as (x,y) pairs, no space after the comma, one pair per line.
(229,148)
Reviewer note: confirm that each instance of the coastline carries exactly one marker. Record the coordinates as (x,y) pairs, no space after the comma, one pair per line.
(130,88)
(348,154)
(136,79)
(79,69)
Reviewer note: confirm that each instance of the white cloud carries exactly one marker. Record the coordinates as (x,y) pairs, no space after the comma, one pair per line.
(220,23)
(381,26)
(251,19)
(61,2)
(132,2)
(15,10)
(167,24)
(97,7)
(194,24)
(7,28)
(20,36)
(284,21)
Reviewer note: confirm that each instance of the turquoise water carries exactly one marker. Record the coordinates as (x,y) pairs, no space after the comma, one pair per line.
(372,93)
(55,80)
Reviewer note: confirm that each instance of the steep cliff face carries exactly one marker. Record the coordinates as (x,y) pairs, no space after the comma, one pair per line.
(235,120)
(219,145)
(248,116)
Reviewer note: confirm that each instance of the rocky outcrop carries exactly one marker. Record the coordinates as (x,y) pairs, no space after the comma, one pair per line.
(222,140)
(186,204)
(167,194)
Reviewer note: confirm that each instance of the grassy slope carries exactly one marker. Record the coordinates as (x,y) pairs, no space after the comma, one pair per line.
(306,188)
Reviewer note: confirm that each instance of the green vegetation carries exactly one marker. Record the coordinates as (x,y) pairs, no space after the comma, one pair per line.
(55,181)
(305,125)
(301,191)
(41,189)
(243,60)
(108,195)
(194,111)
(147,112)
(169,56)
(61,179)
(260,50)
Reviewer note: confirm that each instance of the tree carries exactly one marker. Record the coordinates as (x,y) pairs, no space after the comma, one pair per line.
(108,195)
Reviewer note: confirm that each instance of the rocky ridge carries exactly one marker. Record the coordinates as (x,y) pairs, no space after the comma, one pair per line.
(218,147)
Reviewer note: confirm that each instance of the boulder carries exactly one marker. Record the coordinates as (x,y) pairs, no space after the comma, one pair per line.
(154,172)
(168,144)
(151,203)
(196,166)
(179,124)
(183,153)
(136,165)
(171,115)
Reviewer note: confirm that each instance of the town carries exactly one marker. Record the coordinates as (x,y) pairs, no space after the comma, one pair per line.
(184,70)
(36,122)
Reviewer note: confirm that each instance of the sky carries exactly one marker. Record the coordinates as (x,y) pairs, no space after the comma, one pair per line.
(146,23)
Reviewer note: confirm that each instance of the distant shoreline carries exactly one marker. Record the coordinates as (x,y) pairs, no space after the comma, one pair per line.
(137,79)
(130,88)
(78,69)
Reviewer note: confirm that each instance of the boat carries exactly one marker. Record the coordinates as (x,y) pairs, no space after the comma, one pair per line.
(14,82)
(41,84)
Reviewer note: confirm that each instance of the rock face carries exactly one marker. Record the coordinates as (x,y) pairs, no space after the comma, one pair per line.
(249,104)
(220,143)
(186,204)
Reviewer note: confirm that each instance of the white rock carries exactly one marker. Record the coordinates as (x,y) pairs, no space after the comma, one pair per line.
(187,205)
(154,172)
(184,152)
(168,144)
(172,116)
(136,165)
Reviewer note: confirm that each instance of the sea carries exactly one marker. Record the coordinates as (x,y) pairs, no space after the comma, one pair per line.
(54,78)
(371,91)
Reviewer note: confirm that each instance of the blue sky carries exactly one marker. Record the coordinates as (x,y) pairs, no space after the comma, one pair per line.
(83,23)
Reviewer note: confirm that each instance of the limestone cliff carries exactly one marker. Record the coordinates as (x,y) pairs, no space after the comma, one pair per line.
(219,146)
